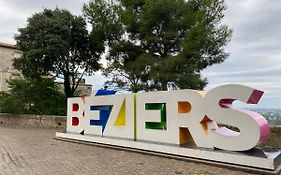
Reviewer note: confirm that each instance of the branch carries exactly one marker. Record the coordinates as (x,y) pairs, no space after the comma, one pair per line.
(78,81)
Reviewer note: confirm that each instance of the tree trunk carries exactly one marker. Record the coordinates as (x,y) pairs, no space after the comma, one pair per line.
(134,87)
(67,87)
(164,86)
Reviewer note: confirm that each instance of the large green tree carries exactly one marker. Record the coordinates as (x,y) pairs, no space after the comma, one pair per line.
(56,43)
(132,71)
(176,39)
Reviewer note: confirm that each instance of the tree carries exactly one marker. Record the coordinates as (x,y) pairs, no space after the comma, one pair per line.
(9,104)
(57,43)
(33,96)
(179,39)
(131,72)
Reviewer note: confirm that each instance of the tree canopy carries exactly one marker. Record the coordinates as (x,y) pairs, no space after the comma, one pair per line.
(157,43)
(56,43)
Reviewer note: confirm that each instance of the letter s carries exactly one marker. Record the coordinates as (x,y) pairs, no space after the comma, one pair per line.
(253,127)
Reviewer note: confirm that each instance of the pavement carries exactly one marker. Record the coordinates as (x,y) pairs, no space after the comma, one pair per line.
(28,151)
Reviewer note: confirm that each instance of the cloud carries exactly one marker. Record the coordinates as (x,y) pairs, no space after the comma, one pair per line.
(265,71)
(28,7)
(96,80)
(255,54)
(15,12)
(254,19)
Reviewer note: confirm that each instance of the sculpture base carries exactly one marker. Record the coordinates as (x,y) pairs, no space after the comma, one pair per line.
(264,160)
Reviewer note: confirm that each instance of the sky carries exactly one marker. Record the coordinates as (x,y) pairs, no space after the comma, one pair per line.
(255,48)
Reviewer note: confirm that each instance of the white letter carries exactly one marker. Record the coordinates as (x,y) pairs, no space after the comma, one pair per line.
(253,127)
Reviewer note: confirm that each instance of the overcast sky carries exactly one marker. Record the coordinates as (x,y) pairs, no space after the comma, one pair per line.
(255,48)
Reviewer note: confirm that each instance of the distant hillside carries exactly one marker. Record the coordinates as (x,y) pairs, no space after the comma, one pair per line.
(272,116)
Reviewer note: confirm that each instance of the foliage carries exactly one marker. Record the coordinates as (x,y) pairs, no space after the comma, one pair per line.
(132,76)
(9,104)
(57,43)
(33,96)
(160,42)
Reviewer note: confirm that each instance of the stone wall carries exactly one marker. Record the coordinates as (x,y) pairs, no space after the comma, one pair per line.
(43,121)
(7,54)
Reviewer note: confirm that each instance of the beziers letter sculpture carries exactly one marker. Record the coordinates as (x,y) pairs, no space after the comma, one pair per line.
(173,117)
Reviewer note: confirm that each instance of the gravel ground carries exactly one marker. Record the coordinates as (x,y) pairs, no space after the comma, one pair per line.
(34,151)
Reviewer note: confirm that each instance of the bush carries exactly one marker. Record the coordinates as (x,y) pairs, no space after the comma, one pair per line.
(33,96)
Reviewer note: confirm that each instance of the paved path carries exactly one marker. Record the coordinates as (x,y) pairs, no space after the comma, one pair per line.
(27,151)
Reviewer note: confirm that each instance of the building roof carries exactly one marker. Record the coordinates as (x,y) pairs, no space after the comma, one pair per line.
(7,45)
(80,84)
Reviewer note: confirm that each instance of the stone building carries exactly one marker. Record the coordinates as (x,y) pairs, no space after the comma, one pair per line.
(82,90)
(7,54)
